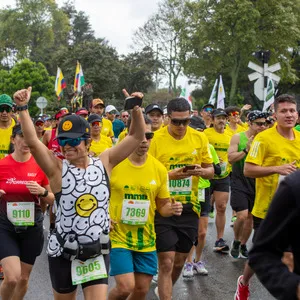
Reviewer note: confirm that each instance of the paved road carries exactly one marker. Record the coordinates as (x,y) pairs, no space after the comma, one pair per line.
(220,284)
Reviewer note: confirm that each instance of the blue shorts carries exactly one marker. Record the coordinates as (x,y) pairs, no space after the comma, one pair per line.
(124,261)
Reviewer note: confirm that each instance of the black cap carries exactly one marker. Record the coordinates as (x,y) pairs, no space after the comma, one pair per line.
(153,106)
(208,105)
(197,123)
(17,129)
(219,112)
(257,114)
(36,119)
(73,126)
(94,118)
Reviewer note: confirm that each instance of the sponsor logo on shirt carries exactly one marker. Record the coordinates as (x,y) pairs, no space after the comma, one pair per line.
(153,182)
(14,181)
(31,174)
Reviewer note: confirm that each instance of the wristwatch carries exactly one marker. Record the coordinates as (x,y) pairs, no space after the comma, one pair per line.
(45,194)
(20,108)
(245,151)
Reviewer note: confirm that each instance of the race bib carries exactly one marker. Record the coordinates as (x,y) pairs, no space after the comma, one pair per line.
(135,212)
(201,195)
(91,269)
(21,213)
(223,166)
(180,186)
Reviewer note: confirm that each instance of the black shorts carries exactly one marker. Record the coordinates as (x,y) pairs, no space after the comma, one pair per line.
(61,278)
(241,201)
(205,206)
(220,185)
(256,224)
(27,244)
(177,233)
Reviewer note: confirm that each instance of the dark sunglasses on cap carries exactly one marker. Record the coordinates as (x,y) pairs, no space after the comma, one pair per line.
(71,142)
(260,123)
(149,135)
(234,114)
(5,108)
(96,123)
(208,109)
(178,122)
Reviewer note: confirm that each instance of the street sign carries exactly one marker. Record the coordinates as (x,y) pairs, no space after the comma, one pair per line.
(41,103)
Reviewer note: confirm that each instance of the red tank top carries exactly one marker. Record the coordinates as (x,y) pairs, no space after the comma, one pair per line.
(53,145)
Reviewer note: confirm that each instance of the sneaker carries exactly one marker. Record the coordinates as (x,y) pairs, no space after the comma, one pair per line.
(211,214)
(199,268)
(188,270)
(1,272)
(156,292)
(242,291)
(243,251)
(235,249)
(233,219)
(221,246)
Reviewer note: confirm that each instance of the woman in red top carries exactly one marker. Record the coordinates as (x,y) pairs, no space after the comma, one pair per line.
(23,185)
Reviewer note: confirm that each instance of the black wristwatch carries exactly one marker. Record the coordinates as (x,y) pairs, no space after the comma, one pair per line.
(20,108)
(45,194)
(245,151)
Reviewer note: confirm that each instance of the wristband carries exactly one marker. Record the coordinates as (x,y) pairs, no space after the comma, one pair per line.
(245,151)
(20,108)
(45,194)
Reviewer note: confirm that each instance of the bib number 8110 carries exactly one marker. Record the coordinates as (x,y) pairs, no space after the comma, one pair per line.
(24,213)
(83,270)
(135,212)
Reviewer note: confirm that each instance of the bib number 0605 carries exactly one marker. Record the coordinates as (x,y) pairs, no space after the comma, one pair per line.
(83,270)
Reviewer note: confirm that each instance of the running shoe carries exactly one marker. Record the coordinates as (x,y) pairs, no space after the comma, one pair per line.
(221,246)
(1,272)
(244,251)
(242,291)
(211,214)
(199,268)
(188,271)
(233,219)
(235,249)
(156,292)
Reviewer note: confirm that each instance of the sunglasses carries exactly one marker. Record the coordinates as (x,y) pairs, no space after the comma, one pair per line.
(96,123)
(260,123)
(178,122)
(234,114)
(125,116)
(71,142)
(39,123)
(149,135)
(5,108)
(208,109)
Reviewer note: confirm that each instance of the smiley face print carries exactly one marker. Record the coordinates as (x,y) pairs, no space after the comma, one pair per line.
(67,125)
(85,205)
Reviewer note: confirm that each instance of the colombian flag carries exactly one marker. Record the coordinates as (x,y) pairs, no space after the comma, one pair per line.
(60,83)
(79,78)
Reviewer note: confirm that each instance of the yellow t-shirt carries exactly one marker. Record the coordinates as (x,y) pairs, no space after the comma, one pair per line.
(133,193)
(48,128)
(107,128)
(231,132)
(5,135)
(172,153)
(221,142)
(269,148)
(99,146)
(245,125)
(122,135)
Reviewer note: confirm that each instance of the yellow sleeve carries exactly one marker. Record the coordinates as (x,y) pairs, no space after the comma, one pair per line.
(257,151)
(206,154)
(164,188)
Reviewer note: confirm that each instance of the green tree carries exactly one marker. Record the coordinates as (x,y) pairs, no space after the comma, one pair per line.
(27,73)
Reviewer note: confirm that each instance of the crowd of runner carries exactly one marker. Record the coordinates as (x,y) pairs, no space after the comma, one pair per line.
(129,194)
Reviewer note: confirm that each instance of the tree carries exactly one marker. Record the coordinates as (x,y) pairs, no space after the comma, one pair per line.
(24,74)
(220,37)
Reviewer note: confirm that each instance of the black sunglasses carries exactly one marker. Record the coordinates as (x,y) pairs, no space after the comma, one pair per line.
(149,135)
(5,108)
(260,123)
(178,122)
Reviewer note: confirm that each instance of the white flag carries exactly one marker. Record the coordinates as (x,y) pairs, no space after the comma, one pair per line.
(221,94)
(186,94)
(213,97)
(270,94)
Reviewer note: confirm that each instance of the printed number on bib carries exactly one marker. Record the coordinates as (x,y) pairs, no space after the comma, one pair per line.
(223,166)
(21,213)
(201,195)
(91,269)
(181,186)
(135,212)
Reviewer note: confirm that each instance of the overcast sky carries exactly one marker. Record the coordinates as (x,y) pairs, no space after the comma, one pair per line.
(116,20)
